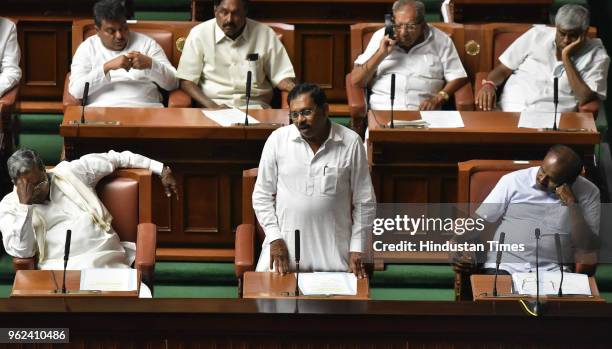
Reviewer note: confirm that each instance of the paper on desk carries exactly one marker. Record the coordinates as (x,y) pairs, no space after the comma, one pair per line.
(109,279)
(442,119)
(227,117)
(328,283)
(573,283)
(538,119)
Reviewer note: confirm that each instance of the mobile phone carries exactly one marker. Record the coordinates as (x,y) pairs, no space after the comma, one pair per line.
(389,26)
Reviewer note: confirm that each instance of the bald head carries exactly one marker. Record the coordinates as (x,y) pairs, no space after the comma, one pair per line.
(561,165)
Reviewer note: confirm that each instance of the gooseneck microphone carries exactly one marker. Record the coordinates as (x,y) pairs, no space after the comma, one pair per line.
(560,261)
(502,237)
(248,98)
(66,255)
(392,98)
(555,100)
(84,102)
(536,308)
(297,262)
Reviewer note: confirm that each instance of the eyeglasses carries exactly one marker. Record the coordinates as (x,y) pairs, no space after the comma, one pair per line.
(407,26)
(42,184)
(306,113)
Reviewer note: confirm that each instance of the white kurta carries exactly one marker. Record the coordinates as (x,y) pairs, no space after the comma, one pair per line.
(420,73)
(533,59)
(10,73)
(121,88)
(313,193)
(522,208)
(90,246)
(218,64)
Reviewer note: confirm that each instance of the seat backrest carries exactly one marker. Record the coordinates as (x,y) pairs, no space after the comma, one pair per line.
(249,177)
(171,35)
(497,37)
(127,195)
(478,177)
(361,34)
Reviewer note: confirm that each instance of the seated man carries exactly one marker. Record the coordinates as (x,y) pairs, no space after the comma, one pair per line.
(423,58)
(533,61)
(553,198)
(313,176)
(43,205)
(219,52)
(123,68)
(10,73)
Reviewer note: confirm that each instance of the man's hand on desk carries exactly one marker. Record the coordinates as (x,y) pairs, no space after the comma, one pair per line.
(279,256)
(169,182)
(140,61)
(356,265)
(486,98)
(433,103)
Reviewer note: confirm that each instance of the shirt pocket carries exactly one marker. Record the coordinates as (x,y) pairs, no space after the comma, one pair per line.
(329,180)
(431,67)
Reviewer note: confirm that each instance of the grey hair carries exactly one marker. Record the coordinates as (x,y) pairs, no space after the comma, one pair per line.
(23,161)
(418,6)
(572,16)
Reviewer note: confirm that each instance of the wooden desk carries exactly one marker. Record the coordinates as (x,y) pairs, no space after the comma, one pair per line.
(207,161)
(482,288)
(44,283)
(267,323)
(420,165)
(272,285)
(482,11)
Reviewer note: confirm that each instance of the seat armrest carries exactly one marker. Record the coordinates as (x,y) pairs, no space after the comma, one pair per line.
(9,98)
(179,99)
(464,97)
(145,251)
(355,96)
(244,249)
(68,99)
(24,263)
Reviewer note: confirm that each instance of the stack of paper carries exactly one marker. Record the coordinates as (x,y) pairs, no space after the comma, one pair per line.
(573,283)
(327,283)
(228,117)
(442,119)
(538,119)
(109,279)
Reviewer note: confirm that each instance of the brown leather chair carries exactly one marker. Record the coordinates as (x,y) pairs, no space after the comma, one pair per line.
(476,180)
(497,37)
(361,34)
(127,195)
(171,36)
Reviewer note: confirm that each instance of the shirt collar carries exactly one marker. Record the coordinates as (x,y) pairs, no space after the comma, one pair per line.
(220,35)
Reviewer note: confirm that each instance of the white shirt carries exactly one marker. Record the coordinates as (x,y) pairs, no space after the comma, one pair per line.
(522,208)
(121,88)
(533,59)
(219,66)
(10,73)
(420,73)
(297,189)
(90,246)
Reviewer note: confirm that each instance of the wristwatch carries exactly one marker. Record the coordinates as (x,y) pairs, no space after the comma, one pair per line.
(444,95)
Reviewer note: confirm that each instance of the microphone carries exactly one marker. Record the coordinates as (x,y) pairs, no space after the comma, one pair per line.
(67,251)
(248,98)
(84,101)
(502,237)
(560,261)
(297,262)
(392,98)
(536,308)
(555,100)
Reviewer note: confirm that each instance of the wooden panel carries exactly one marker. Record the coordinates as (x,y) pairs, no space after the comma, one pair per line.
(201,204)
(409,188)
(45,58)
(320,73)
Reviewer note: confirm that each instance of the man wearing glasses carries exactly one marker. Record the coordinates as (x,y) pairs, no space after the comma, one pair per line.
(43,205)
(423,59)
(313,177)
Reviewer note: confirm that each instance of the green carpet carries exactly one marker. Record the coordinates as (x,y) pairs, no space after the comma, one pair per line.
(195,273)
(415,275)
(194,291)
(412,294)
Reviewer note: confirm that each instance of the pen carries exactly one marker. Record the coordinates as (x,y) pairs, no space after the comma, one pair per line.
(324,168)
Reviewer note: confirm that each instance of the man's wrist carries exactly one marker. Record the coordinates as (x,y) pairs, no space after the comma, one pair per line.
(443,95)
(490,83)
